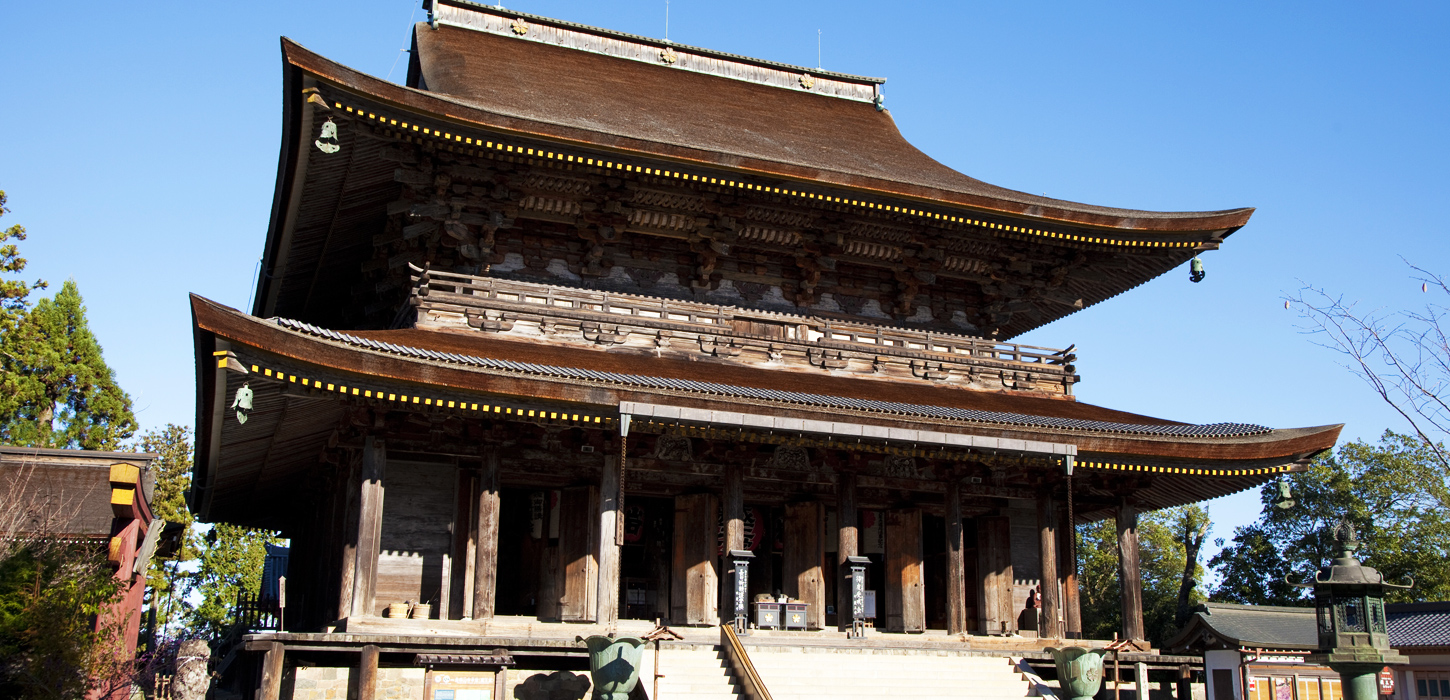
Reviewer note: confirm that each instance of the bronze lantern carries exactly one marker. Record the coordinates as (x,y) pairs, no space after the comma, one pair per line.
(1349,601)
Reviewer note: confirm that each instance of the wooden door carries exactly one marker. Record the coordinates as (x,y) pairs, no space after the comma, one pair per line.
(695,584)
(804,559)
(905,592)
(994,571)
(578,537)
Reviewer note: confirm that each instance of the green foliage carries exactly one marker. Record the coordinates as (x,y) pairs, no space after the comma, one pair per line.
(50,594)
(1163,559)
(56,389)
(167,581)
(14,294)
(1395,493)
(231,563)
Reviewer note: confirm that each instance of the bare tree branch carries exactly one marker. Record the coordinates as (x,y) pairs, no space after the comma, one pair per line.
(1403,356)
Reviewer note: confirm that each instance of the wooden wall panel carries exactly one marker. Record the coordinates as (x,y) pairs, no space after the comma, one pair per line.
(415,538)
(994,571)
(804,560)
(905,590)
(695,588)
(578,533)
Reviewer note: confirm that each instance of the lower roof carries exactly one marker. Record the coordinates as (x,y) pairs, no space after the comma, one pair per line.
(1293,628)
(1181,463)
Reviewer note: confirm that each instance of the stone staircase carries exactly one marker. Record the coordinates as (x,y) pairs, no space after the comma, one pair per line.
(816,672)
(695,672)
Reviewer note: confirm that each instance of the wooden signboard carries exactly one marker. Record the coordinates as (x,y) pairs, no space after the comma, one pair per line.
(448,684)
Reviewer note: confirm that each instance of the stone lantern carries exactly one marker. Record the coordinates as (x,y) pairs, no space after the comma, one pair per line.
(1349,601)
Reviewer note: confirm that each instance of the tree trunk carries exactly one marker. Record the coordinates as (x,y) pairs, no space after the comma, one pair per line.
(1192,544)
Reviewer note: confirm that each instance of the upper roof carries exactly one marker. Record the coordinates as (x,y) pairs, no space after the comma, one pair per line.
(476,57)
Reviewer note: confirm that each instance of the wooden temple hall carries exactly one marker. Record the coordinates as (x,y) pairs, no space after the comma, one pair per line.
(544,333)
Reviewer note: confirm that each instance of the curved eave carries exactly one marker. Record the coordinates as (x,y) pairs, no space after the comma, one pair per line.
(1276,447)
(441,107)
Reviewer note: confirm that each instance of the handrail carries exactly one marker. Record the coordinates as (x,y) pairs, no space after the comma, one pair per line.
(740,666)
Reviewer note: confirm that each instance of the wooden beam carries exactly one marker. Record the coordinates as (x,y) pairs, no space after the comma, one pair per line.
(578,533)
(485,558)
(804,555)
(694,590)
(609,523)
(367,673)
(905,590)
(370,527)
(1050,625)
(994,570)
(270,685)
(1071,600)
(848,542)
(1130,575)
(956,560)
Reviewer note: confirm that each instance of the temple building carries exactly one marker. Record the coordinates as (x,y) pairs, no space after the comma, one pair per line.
(543,334)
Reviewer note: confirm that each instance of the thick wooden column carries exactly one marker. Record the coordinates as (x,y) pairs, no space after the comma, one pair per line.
(994,568)
(1130,576)
(348,562)
(695,585)
(734,507)
(1067,562)
(609,517)
(485,538)
(803,559)
(367,674)
(369,527)
(270,686)
(578,523)
(848,542)
(1050,626)
(956,560)
(905,590)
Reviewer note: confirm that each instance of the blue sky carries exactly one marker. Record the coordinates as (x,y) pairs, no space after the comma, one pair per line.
(141,140)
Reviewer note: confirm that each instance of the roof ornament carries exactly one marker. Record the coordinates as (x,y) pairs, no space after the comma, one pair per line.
(1285,499)
(668,55)
(519,26)
(327,140)
(880,101)
(242,403)
(807,81)
(1195,270)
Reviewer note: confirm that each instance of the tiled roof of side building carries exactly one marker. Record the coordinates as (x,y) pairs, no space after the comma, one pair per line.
(1419,624)
(1148,426)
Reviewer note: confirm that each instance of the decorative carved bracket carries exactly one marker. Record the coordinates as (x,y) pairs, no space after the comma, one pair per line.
(930,370)
(604,334)
(494,321)
(827,359)
(711,345)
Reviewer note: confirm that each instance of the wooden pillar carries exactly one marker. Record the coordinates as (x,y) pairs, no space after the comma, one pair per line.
(956,560)
(609,522)
(270,687)
(734,507)
(1071,602)
(905,591)
(578,523)
(485,556)
(367,674)
(369,527)
(1130,576)
(804,556)
(994,569)
(848,542)
(348,563)
(1050,626)
(695,585)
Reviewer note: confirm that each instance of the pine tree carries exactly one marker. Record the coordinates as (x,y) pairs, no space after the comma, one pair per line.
(56,389)
(14,294)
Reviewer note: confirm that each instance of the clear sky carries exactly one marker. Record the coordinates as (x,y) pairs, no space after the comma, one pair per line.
(140,145)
